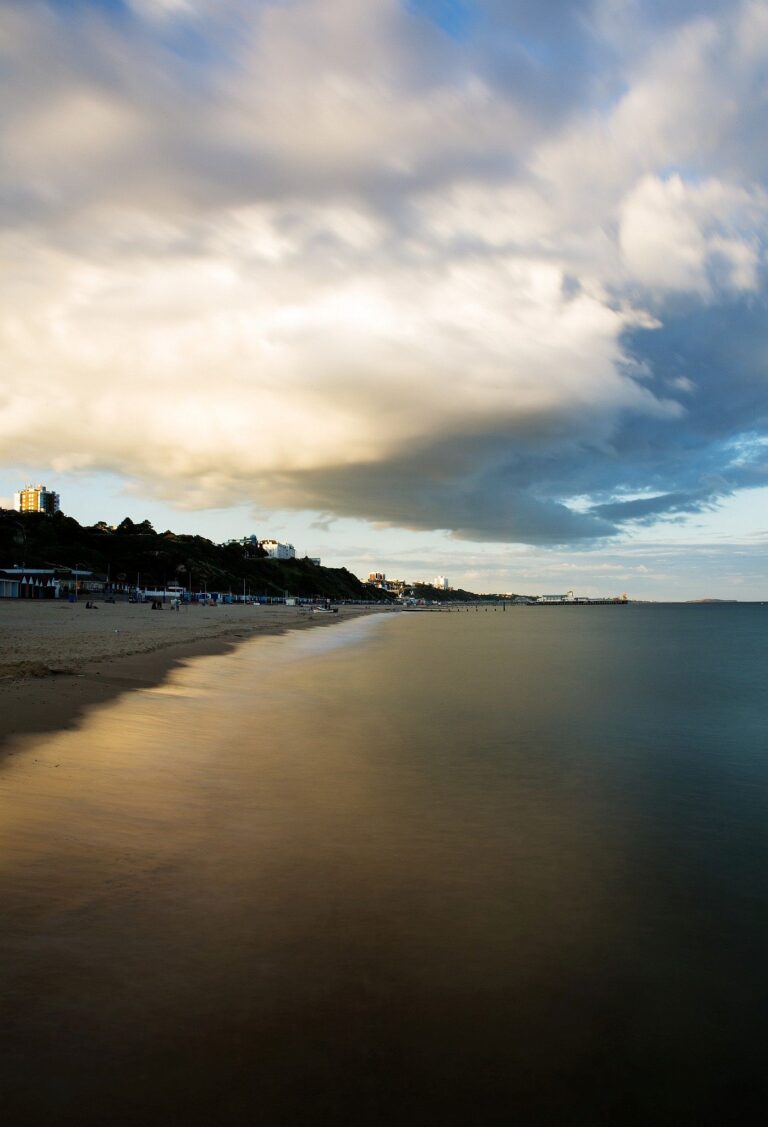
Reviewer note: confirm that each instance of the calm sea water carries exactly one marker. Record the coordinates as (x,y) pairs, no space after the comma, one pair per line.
(465,869)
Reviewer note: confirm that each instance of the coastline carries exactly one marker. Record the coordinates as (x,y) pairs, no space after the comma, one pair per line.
(57,660)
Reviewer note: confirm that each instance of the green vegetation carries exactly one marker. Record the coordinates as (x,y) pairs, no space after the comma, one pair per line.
(134,553)
(455,595)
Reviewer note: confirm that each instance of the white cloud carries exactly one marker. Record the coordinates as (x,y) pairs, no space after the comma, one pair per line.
(678,236)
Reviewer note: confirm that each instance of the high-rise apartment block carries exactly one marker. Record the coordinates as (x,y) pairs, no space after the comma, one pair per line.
(36,499)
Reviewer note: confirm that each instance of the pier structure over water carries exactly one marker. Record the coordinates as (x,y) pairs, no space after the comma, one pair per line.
(569,599)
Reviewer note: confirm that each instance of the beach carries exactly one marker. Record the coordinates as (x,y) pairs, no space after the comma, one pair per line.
(58,658)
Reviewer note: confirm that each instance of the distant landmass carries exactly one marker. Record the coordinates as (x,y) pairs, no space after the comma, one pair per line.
(711,600)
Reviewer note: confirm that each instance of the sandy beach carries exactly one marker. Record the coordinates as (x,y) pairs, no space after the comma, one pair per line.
(57,658)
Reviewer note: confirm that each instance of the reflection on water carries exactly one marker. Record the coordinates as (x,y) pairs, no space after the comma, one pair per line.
(469,869)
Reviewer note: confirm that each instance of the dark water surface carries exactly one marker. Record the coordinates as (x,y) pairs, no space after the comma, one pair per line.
(465,869)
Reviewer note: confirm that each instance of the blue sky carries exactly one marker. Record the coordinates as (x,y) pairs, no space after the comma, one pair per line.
(476,289)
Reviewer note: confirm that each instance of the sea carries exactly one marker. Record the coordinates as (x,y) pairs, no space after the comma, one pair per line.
(466,868)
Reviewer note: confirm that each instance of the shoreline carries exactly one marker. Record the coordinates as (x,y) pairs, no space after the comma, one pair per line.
(50,687)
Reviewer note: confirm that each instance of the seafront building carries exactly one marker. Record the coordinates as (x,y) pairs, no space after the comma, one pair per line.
(378,579)
(275,549)
(47,582)
(278,551)
(9,586)
(36,499)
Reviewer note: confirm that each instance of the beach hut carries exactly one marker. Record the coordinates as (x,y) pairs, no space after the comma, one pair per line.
(9,586)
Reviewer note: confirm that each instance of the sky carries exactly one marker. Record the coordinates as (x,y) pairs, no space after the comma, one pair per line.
(463,287)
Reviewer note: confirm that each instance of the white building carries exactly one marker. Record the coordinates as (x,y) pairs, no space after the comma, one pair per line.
(278,551)
(441,583)
(36,499)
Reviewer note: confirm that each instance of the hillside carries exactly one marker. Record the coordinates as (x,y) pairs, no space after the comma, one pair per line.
(455,595)
(136,553)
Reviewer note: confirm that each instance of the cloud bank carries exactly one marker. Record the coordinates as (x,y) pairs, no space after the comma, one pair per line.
(443,269)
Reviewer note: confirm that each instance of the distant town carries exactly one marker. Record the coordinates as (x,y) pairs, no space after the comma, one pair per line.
(133,561)
(440,590)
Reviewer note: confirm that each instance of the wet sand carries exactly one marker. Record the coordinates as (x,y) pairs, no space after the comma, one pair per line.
(57,659)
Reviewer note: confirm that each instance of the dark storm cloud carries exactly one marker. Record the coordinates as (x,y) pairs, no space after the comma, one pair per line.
(648,509)
(417,493)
